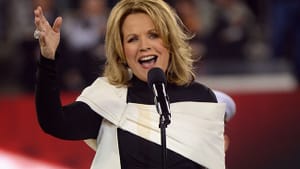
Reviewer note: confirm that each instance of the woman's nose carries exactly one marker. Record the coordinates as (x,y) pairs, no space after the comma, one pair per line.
(144,46)
(142,49)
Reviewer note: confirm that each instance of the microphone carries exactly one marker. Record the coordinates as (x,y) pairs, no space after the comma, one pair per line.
(157,82)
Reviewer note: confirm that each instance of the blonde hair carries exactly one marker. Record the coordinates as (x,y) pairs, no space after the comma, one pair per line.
(171,30)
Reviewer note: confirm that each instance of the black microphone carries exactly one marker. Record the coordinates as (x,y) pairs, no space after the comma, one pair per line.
(157,82)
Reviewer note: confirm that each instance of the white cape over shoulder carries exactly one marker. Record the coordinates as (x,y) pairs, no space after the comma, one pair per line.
(196,129)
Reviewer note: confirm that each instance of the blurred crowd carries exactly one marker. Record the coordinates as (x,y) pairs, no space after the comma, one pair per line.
(224,30)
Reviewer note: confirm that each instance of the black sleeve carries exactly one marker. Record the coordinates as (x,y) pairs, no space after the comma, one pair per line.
(75,121)
(212,95)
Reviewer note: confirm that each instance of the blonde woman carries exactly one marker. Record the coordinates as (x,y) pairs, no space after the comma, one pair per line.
(116,115)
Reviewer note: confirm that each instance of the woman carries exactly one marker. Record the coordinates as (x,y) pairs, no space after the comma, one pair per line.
(117,112)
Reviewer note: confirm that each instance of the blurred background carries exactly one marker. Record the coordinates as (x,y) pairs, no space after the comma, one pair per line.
(249,49)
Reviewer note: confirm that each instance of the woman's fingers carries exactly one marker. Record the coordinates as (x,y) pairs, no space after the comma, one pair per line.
(40,20)
(41,24)
(37,16)
(57,24)
(49,36)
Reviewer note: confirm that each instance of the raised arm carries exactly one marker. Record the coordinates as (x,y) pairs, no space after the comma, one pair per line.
(75,121)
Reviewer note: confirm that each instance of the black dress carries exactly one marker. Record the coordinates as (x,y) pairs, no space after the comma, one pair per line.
(77,121)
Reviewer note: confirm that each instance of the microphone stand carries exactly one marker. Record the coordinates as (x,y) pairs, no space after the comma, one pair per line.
(163,125)
(164,120)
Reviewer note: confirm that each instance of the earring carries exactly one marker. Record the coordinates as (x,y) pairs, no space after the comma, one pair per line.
(130,74)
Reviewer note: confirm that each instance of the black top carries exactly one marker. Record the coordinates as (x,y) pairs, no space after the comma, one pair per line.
(77,121)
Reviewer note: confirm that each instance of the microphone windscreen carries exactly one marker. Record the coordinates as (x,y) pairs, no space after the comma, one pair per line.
(156,75)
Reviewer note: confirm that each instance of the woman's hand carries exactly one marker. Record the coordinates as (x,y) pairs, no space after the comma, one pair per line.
(49,36)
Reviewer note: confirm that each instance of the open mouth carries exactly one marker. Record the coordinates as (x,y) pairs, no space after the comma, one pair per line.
(148,61)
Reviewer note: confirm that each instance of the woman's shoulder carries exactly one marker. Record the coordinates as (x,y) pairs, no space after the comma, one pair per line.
(195,91)
(101,87)
(198,85)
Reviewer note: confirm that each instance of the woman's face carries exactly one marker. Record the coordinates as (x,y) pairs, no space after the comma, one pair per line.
(143,46)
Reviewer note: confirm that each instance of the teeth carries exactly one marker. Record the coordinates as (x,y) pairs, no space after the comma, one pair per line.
(147,58)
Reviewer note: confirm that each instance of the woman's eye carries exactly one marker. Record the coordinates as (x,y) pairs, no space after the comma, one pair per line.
(131,39)
(153,35)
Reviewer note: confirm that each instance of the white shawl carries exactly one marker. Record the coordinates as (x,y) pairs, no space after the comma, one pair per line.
(196,129)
